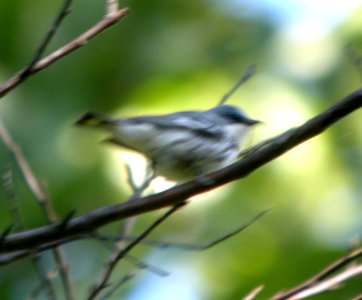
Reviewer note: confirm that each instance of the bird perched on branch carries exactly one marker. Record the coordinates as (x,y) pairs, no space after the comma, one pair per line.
(181,145)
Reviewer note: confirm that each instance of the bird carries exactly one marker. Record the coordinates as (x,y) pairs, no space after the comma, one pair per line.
(181,145)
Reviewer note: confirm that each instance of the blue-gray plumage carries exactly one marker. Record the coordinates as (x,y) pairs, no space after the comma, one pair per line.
(182,145)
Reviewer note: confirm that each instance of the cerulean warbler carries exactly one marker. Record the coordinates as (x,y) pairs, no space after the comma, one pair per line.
(181,145)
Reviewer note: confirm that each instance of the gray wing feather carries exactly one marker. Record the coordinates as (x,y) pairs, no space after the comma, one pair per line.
(193,121)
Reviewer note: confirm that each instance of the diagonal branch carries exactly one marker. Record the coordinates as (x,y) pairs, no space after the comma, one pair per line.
(244,77)
(80,41)
(9,258)
(41,197)
(102,284)
(329,284)
(321,279)
(45,281)
(242,168)
(203,247)
(120,244)
(48,37)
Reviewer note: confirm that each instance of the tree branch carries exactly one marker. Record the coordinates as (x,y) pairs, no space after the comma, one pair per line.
(17,219)
(41,197)
(126,227)
(48,37)
(242,168)
(319,281)
(11,257)
(102,284)
(329,284)
(82,40)
(244,78)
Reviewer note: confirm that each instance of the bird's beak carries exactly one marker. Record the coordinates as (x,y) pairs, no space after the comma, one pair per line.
(251,122)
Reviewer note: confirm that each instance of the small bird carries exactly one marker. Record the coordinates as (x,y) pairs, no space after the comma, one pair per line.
(181,145)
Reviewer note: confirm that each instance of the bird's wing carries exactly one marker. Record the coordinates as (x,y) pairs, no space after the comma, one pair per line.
(191,121)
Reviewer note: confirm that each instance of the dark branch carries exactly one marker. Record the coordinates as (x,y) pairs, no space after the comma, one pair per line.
(9,258)
(107,295)
(146,266)
(40,195)
(242,168)
(245,77)
(126,227)
(190,247)
(80,41)
(48,37)
(104,282)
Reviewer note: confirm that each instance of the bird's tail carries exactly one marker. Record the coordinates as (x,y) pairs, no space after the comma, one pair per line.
(93,119)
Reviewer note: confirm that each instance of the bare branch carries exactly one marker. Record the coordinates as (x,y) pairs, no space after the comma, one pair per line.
(358,297)
(189,247)
(26,172)
(8,184)
(82,40)
(9,258)
(316,280)
(29,178)
(45,284)
(41,197)
(117,285)
(5,233)
(150,175)
(102,284)
(254,293)
(245,77)
(355,58)
(250,150)
(48,37)
(329,284)
(125,230)
(6,259)
(146,266)
(242,168)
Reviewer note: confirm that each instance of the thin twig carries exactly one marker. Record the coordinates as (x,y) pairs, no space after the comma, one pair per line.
(6,232)
(102,284)
(43,200)
(91,221)
(126,227)
(190,247)
(28,176)
(253,293)
(16,216)
(324,274)
(48,37)
(117,285)
(328,284)
(252,149)
(146,266)
(44,283)
(356,59)
(358,297)
(245,77)
(80,41)
(6,259)
(9,258)
(8,184)
(150,175)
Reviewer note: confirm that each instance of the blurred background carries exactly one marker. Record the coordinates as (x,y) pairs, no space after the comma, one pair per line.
(167,56)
